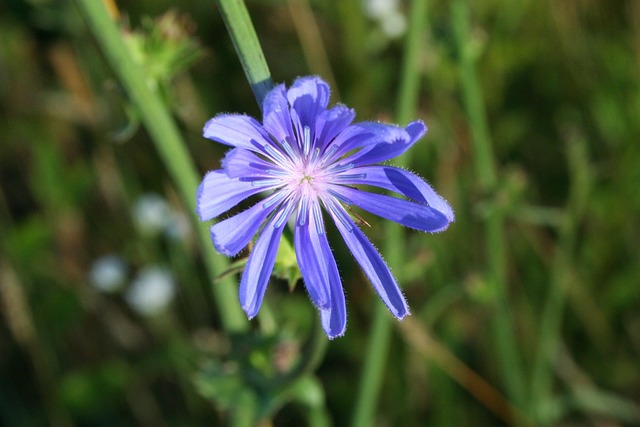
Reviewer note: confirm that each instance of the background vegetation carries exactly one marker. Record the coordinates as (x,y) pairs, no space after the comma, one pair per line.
(525,312)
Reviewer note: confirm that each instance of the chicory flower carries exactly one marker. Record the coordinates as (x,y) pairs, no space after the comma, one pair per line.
(308,159)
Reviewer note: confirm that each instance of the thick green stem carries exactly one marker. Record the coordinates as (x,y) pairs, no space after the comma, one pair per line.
(236,18)
(486,174)
(393,249)
(170,146)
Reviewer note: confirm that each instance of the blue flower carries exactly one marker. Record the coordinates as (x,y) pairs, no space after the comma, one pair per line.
(309,158)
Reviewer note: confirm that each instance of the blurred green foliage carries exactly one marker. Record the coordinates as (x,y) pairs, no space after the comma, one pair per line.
(561,93)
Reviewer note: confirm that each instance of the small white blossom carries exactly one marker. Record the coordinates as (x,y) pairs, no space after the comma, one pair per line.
(378,9)
(151,291)
(151,214)
(108,273)
(394,24)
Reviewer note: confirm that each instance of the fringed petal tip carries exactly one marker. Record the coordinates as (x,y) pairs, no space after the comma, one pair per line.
(416,130)
(233,234)
(439,204)
(314,86)
(199,211)
(402,314)
(398,307)
(333,335)
(334,326)
(236,130)
(273,100)
(251,310)
(308,98)
(217,193)
(249,313)
(220,246)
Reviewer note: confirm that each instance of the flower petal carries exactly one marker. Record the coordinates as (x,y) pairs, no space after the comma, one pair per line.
(350,138)
(217,193)
(237,130)
(313,266)
(259,267)
(390,141)
(276,116)
(369,259)
(233,234)
(334,320)
(309,97)
(332,122)
(409,214)
(243,163)
(400,181)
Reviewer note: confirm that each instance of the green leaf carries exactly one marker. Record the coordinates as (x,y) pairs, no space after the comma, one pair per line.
(221,383)
(286,266)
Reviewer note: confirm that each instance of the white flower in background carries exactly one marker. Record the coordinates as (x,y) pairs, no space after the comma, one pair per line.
(394,24)
(387,12)
(152,214)
(108,273)
(179,226)
(151,291)
(378,9)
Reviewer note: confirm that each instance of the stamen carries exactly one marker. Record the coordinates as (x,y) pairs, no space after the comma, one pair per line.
(266,182)
(327,154)
(306,140)
(315,155)
(284,215)
(349,177)
(277,197)
(278,172)
(317,216)
(274,153)
(339,196)
(343,218)
(341,168)
(303,212)
(288,149)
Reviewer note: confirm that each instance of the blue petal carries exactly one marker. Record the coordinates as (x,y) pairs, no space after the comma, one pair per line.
(309,97)
(276,116)
(350,138)
(298,128)
(218,193)
(369,259)
(259,267)
(237,130)
(313,266)
(241,163)
(334,320)
(409,214)
(319,269)
(332,122)
(233,234)
(400,181)
(390,141)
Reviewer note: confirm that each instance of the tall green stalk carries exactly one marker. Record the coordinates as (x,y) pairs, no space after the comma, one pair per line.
(378,347)
(170,146)
(509,358)
(238,22)
(549,334)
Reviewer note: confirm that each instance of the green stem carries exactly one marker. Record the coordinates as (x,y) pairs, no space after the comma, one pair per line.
(552,312)
(236,18)
(373,369)
(378,347)
(170,146)
(486,175)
